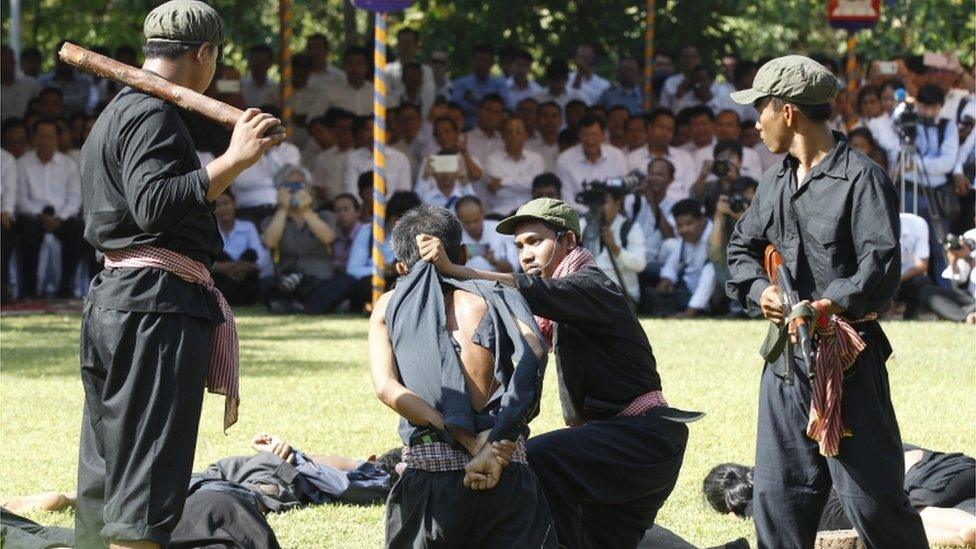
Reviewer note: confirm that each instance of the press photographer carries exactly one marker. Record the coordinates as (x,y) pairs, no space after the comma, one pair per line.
(716,176)
(958,302)
(615,241)
(728,209)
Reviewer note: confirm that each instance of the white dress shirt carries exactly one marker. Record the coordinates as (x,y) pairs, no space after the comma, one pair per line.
(592,86)
(360,161)
(573,168)
(719,102)
(426,184)
(328,171)
(435,197)
(751,165)
(15,97)
(324,79)
(256,94)
(938,159)
(357,101)
(8,182)
(255,186)
(966,274)
(684,169)
(549,153)
(56,183)
(691,260)
(914,241)
(631,260)
(516,94)
(645,218)
(501,246)
(562,99)
(481,146)
(516,175)
(428,89)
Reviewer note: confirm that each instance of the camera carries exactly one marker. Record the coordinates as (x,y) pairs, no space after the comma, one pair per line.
(594,192)
(721,167)
(905,118)
(738,203)
(956,242)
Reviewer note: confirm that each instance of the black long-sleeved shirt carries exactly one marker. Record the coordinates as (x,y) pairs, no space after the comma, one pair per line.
(838,235)
(142,184)
(602,353)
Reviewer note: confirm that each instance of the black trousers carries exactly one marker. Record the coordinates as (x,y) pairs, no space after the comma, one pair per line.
(792,479)
(428,510)
(143,375)
(238,292)
(953,304)
(909,293)
(605,481)
(31,235)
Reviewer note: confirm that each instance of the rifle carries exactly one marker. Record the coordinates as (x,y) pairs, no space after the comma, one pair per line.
(780,275)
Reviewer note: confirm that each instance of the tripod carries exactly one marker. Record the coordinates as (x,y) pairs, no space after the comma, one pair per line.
(908,156)
(592,241)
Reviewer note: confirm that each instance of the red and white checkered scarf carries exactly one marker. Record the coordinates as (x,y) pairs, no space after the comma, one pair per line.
(223,378)
(840,345)
(575,260)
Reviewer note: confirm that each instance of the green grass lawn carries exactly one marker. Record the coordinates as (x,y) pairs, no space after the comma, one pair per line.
(306,380)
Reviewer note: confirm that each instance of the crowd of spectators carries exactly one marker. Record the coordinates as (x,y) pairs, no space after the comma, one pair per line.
(296,224)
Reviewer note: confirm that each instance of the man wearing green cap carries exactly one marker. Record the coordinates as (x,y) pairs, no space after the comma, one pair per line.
(832,214)
(154,331)
(607,476)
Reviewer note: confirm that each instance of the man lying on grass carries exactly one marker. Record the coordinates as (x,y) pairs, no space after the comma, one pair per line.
(462,363)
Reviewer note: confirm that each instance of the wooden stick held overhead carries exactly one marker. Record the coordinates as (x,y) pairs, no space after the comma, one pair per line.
(153,84)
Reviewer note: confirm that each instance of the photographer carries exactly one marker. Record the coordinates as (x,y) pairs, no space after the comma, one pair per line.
(606,478)
(620,238)
(306,280)
(938,144)
(957,303)
(914,262)
(651,211)
(717,175)
(687,278)
(728,209)
(965,169)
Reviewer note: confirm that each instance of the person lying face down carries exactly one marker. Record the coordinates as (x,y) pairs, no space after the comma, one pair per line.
(465,395)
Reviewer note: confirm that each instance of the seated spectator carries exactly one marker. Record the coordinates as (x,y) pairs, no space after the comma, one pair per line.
(679,84)
(323,74)
(409,140)
(728,126)
(557,74)
(256,87)
(50,103)
(30,62)
(360,266)
(66,145)
(729,208)
(626,92)
(701,124)
(576,109)
(307,104)
(485,138)
(346,210)
(254,188)
(717,175)
(306,279)
(353,93)
(48,201)
(914,262)
(584,78)
(468,91)
(617,245)
(547,185)
(651,211)
(957,302)
(360,161)
(528,110)
(546,143)
(567,139)
(447,175)
(411,80)
(682,133)
(702,90)
(15,91)
(688,277)
(660,133)
(520,87)
(244,259)
(13,137)
(8,199)
(862,140)
(635,132)
(590,160)
(334,129)
(365,193)
(75,86)
(874,118)
(511,170)
(487,250)
(617,127)
(742,77)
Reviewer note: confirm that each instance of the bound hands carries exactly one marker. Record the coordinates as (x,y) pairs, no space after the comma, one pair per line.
(485,469)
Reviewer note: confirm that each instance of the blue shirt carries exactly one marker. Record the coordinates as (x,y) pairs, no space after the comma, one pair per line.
(361,255)
(619,95)
(243,236)
(478,88)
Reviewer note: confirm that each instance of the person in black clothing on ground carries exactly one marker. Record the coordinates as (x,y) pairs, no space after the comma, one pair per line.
(607,476)
(832,214)
(153,332)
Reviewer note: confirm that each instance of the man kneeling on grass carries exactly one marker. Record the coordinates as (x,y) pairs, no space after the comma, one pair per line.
(462,363)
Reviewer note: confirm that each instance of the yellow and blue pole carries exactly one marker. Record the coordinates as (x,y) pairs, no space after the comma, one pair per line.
(379,155)
(285,14)
(648,54)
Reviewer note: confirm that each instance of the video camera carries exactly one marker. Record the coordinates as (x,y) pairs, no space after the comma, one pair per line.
(738,203)
(956,242)
(905,118)
(721,167)
(594,192)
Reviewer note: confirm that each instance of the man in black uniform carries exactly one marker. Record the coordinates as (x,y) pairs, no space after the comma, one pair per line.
(607,476)
(832,213)
(153,332)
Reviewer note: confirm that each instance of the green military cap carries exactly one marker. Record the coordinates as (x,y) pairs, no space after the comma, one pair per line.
(793,78)
(550,210)
(184,21)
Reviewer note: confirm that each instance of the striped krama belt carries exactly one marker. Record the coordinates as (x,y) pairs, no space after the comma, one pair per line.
(223,376)
(441,457)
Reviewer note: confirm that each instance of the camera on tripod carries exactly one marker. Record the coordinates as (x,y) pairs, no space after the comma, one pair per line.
(906,119)
(594,192)
(956,242)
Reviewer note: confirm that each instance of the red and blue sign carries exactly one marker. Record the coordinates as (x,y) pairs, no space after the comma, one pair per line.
(853,14)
